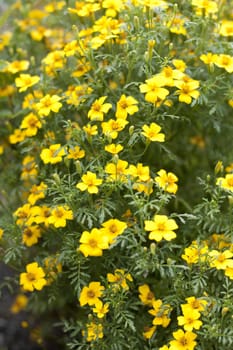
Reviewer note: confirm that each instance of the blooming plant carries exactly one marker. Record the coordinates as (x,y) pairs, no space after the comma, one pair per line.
(117,172)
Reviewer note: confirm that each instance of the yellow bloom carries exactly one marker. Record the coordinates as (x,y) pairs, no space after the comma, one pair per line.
(112,228)
(117,171)
(19,303)
(31,124)
(37,192)
(89,183)
(226,28)
(224,61)
(93,243)
(183,340)
(17,66)
(40,215)
(23,214)
(221,260)
(94,331)
(187,90)
(125,106)
(53,154)
(98,109)
(24,81)
(112,127)
(75,153)
(194,304)
(1,232)
(161,228)
(90,130)
(154,90)
(47,104)
(152,132)
(139,172)
(31,235)
(17,136)
(226,182)
(206,6)
(148,332)
(33,278)
(59,215)
(101,309)
(189,320)
(112,7)
(195,254)
(160,312)
(119,279)
(146,295)
(90,295)
(208,58)
(167,181)
(113,148)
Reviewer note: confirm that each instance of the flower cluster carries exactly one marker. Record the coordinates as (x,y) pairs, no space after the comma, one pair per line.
(117,174)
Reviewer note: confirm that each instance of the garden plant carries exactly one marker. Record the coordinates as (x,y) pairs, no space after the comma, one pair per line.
(116,157)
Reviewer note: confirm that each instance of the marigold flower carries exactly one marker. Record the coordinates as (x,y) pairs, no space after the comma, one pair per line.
(31,124)
(224,61)
(117,171)
(112,127)
(37,192)
(146,295)
(226,28)
(93,243)
(101,309)
(189,320)
(119,279)
(113,148)
(153,88)
(160,312)
(125,106)
(89,183)
(17,66)
(18,136)
(47,104)
(187,90)
(59,215)
(90,294)
(226,182)
(98,109)
(94,331)
(112,228)
(53,154)
(152,132)
(161,228)
(33,278)
(75,153)
(221,260)
(183,340)
(24,81)
(167,181)
(31,235)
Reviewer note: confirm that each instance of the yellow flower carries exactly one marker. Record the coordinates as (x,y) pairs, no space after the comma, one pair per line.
(89,183)
(226,182)
(93,243)
(59,215)
(125,106)
(76,153)
(101,309)
(90,130)
(23,214)
(161,228)
(94,331)
(119,279)
(31,124)
(112,7)
(221,260)
(112,127)
(53,154)
(117,171)
(37,192)
(195,254)
(113,148)
(167,181)
(33,278)
(208,58)
(17,136)
(19,303)
(206,6)
(24,81)
(90,294)
(40,215)
(113,228)
(146,295)
(139,172)
(187,90)
(160,312)
(154,90)
(194,304)
(226,28)
(17,66)
(31,235)
(189,320)
(148,332)
(98,109)
(47,104)
(224,61)
(152,132)
(183,340)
